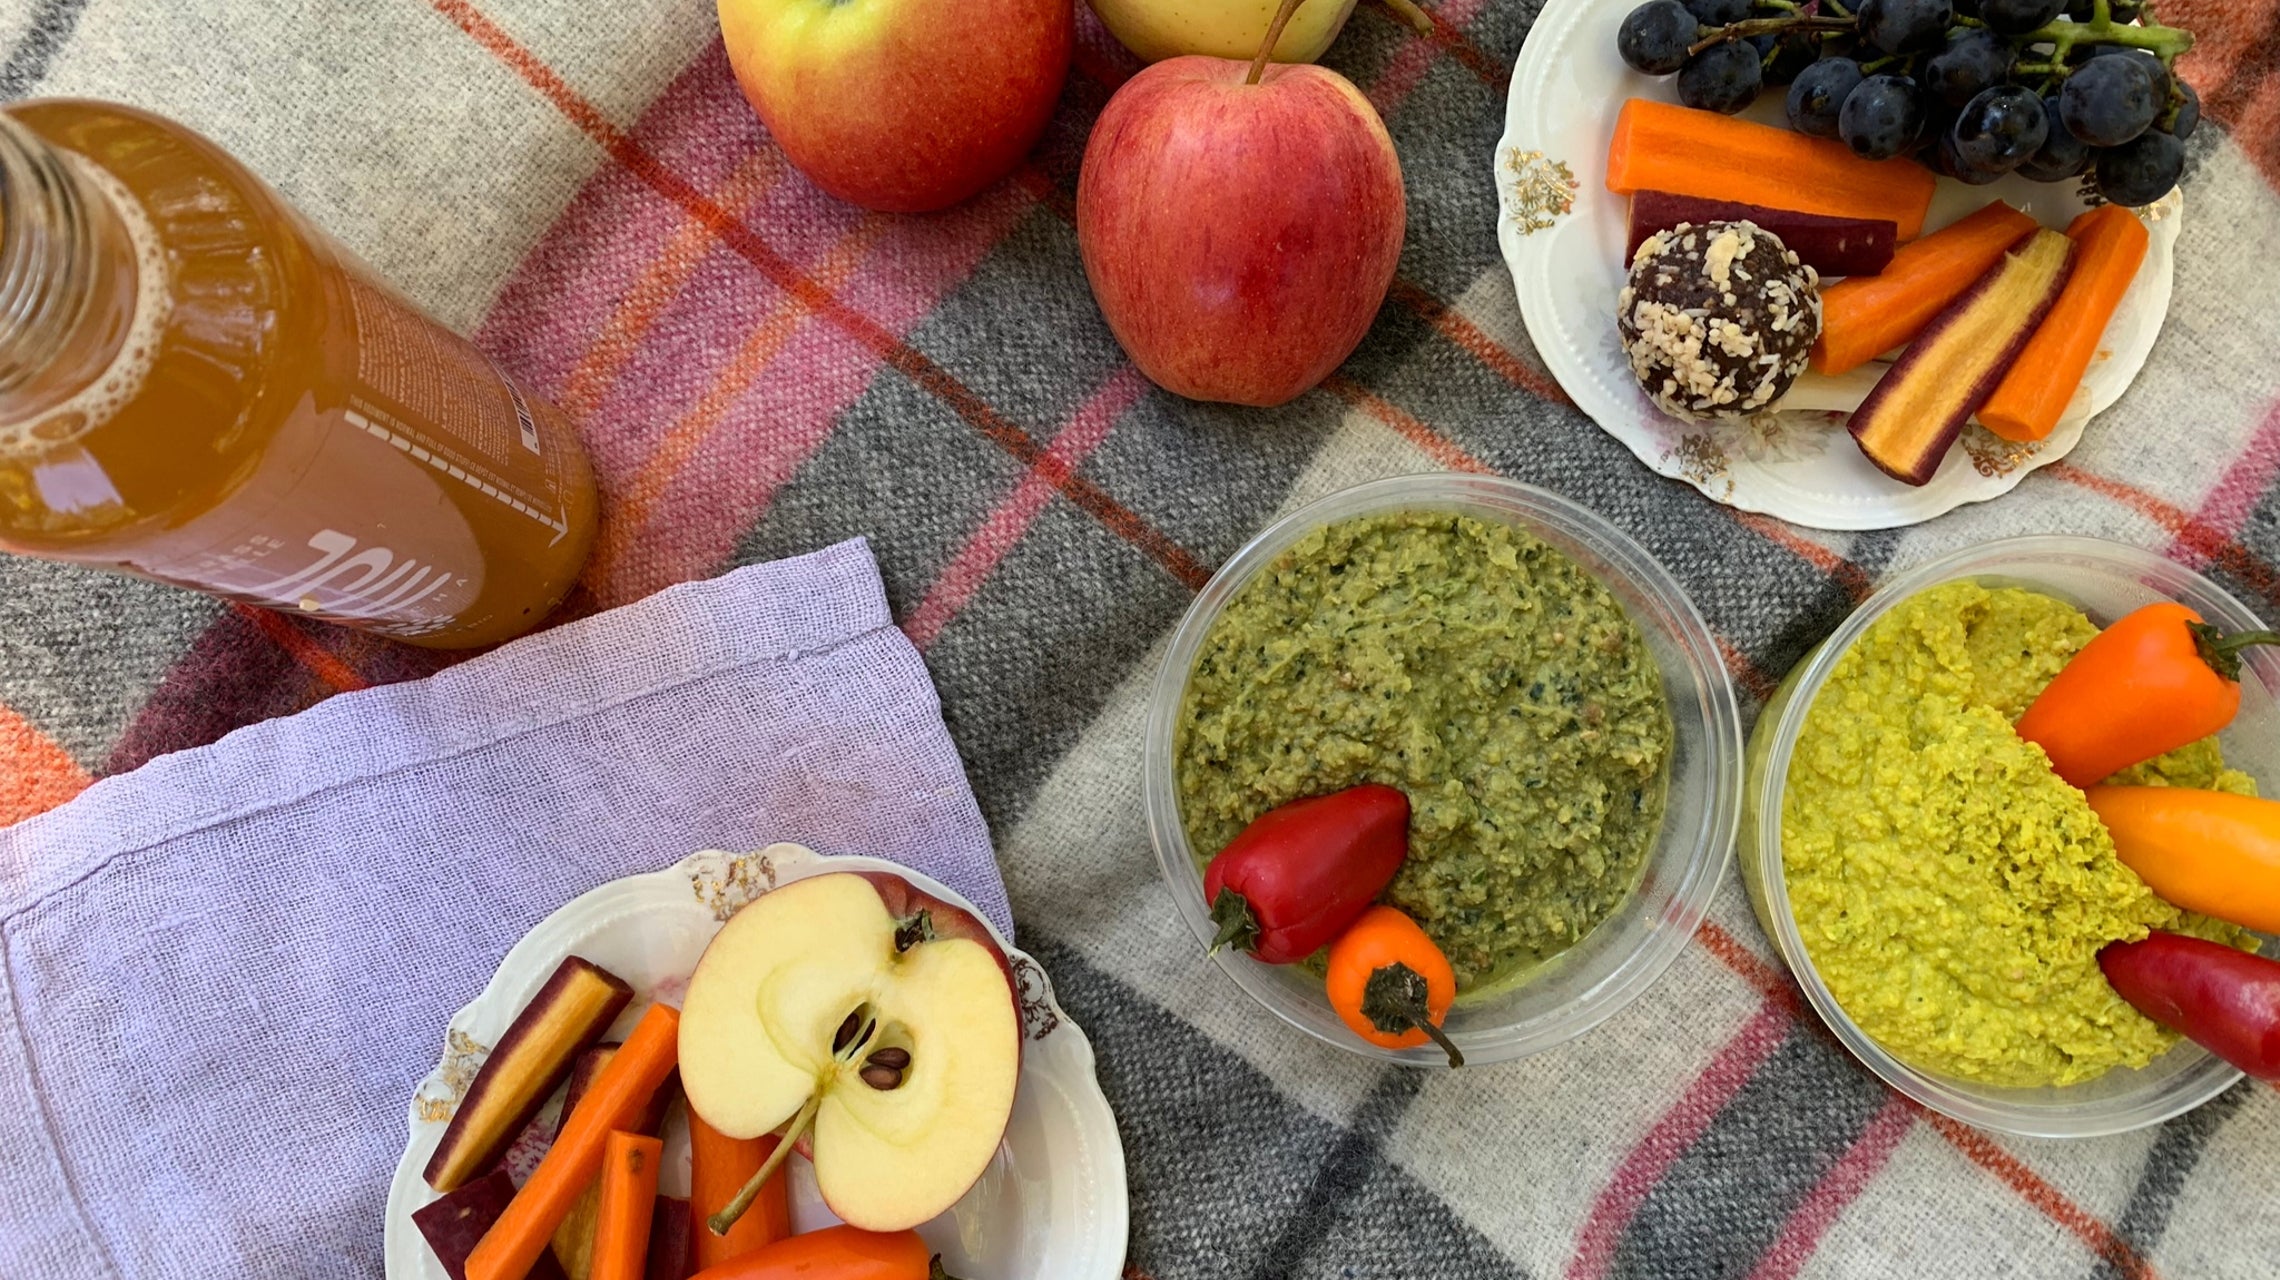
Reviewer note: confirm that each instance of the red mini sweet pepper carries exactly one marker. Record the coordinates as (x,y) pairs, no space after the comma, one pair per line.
(2223,999)
(1301,873)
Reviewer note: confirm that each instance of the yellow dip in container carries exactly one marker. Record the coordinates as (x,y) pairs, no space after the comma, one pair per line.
(1952,892)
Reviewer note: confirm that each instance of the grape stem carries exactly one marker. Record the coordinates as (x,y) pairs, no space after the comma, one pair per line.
(1767,27)
(2064,34)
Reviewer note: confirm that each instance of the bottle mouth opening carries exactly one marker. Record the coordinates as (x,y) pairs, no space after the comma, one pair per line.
(47,253)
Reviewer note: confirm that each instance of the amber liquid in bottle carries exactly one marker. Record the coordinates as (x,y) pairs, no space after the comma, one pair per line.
(196,386)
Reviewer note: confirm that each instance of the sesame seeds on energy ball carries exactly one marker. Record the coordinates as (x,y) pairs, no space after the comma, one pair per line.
(1718,319)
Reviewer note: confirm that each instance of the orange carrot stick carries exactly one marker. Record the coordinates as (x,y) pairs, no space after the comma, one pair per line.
(1862,317)
(616,1101)
(2110,245)
(629,1198)
(836,1253)
(719,1166)
(1662,147)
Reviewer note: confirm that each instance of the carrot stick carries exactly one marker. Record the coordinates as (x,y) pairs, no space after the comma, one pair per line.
(840,1253)
(616,1100)
(1661,147)
(1862,317)
(629,1198)
(719,1166)
(2110,246)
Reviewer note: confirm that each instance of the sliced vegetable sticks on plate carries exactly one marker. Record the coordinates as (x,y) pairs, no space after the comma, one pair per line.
(836,1253)
(719,1166)
(1865,316)
(568,1015)
(619,1096)
(1831,246)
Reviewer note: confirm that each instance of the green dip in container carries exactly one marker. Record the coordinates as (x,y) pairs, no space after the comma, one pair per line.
(1479,670)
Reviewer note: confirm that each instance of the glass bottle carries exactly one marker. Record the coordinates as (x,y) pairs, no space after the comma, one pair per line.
(199,387)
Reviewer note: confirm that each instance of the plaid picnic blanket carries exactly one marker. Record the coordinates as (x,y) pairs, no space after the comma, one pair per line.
(761,371)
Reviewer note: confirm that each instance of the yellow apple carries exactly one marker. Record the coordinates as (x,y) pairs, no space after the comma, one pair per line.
(1160,29)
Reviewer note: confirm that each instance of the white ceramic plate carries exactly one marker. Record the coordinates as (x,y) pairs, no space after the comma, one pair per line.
(1568,265)
(1052,1205)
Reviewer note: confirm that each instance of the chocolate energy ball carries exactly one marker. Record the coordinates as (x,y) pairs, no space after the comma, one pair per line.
(1718,319)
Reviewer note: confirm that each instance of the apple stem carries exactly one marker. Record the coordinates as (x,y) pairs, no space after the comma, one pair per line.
(1411,13)
(720,1224)
(1274,34)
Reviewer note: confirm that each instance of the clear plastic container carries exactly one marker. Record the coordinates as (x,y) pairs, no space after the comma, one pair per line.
(1584,985)
(2104,580)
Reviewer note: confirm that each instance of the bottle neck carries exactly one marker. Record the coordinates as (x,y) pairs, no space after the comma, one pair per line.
(67,278)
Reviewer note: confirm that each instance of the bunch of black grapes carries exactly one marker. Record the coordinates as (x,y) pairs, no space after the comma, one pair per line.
(1973,89)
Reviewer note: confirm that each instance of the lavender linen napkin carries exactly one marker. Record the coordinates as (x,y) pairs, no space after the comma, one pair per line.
(225,972)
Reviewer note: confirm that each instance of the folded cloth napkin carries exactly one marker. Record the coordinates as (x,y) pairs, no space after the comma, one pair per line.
(223,974)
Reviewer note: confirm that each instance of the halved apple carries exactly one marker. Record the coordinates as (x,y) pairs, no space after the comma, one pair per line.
(886,1019)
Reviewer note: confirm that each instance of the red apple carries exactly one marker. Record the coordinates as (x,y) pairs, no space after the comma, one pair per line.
(886,1019)
(1239,236)
(901,105)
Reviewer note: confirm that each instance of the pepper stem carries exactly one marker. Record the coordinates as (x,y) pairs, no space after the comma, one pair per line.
(2222,652)
(1237,925)
(934,1269)
(721,1223)
(1394,1001)
(1274,36)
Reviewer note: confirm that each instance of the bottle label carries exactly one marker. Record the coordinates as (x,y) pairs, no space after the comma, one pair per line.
(409,370)
(433,438)
(346,582)
(391,552)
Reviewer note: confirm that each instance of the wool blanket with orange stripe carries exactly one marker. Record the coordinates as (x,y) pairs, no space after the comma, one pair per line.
(760,370)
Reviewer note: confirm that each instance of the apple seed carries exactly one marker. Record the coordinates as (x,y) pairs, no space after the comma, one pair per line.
(857,1031)
(884,1070)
